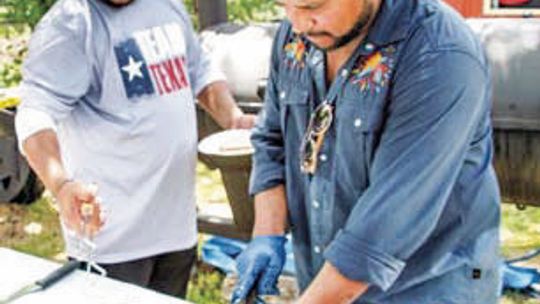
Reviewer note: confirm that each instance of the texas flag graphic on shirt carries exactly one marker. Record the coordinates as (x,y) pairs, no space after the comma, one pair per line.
(153,61)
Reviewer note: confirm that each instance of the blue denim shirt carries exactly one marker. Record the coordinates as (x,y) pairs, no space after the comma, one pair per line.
(405,197)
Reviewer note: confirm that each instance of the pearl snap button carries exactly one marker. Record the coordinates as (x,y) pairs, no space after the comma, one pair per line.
(370,47)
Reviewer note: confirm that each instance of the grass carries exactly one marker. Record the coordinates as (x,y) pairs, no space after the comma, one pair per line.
(517,299)
(520,233)
(13,220)
(521,230)
(209,189)
(205,286)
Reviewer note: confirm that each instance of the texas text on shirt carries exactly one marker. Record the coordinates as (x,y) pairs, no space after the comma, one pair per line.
(119,84)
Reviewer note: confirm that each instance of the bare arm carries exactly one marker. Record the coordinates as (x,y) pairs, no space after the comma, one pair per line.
(270,212)
(261,263)
(216,99)
(330,286)
(43,154)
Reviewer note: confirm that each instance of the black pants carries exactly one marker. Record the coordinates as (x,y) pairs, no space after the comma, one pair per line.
(166,273)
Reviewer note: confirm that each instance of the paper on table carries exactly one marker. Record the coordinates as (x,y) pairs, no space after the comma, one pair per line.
(17,270)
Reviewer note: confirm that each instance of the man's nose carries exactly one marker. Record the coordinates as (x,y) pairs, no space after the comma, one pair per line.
(301,22)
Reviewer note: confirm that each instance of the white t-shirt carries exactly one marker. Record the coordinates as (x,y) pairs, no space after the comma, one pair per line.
(118,85)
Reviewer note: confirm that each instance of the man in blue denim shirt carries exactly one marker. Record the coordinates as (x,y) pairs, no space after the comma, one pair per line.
(374,145)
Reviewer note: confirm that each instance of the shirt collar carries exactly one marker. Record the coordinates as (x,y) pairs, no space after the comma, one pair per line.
(392,22)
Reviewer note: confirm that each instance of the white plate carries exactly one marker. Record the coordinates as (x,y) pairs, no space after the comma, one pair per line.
(227,143)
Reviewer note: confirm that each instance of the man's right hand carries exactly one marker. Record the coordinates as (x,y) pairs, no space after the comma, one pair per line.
(259,267)
(71,197)
(43,154)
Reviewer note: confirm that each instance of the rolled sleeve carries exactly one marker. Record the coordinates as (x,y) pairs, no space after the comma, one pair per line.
(269,158)
(356,260)
(266,172)
(436,104)
(29,121)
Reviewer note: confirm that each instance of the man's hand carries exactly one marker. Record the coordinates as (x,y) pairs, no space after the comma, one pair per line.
(244,121)
(259,266)
(217,100)
(77,201)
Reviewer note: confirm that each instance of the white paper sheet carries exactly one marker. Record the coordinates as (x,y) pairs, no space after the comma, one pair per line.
(18,269)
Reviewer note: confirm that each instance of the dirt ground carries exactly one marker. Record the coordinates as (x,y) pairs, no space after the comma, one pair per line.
(11,222)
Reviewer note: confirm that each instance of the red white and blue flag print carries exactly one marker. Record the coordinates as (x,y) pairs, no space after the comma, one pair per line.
(153,61)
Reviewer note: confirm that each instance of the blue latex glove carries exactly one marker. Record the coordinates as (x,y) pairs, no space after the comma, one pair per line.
(259,266)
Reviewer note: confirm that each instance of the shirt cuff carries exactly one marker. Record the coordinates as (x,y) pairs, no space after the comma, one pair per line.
(272,177)
(30,121)
(358,261)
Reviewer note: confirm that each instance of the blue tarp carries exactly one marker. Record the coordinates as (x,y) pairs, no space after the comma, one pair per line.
(521,279)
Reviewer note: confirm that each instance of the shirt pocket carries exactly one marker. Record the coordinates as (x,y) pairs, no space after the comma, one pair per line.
(294,111)
(353,136)
(363,114)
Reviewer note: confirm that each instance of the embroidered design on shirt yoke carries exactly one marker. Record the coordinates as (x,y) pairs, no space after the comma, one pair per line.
(372,73)
(295,52)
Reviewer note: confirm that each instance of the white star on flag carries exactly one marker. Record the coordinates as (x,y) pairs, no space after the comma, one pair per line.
(133,68)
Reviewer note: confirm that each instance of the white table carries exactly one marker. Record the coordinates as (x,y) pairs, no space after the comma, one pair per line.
(18,269)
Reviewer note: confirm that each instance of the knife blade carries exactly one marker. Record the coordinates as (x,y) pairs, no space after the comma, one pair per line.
(44,283)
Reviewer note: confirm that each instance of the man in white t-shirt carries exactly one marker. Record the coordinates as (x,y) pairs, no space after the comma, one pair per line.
(108,99)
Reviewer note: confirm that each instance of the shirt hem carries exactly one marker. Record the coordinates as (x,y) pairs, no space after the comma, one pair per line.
(122,257)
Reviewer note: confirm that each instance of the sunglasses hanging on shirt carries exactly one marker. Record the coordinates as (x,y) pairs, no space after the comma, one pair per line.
(319,123)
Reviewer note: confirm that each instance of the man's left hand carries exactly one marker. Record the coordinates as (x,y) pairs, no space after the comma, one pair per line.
(259,267)
(244,121)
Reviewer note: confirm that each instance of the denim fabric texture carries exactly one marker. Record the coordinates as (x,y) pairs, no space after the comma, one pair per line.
(404,197)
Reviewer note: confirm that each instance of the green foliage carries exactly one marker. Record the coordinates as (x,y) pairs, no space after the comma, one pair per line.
(12,52)
(251,10)
(27,12)
(241,11)
(15,17)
